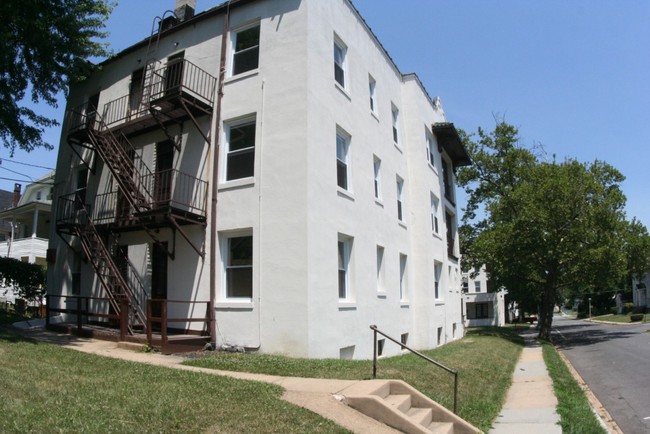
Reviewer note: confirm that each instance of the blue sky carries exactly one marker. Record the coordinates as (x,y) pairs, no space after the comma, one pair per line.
(573,76)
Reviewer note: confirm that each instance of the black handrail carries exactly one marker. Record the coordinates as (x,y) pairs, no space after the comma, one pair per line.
(428,359)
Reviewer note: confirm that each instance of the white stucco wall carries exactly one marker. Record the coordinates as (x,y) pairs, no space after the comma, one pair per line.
(292,205)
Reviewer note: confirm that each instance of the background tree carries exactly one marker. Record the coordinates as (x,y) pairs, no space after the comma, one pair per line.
(28,279)
(540,227)
(45,44)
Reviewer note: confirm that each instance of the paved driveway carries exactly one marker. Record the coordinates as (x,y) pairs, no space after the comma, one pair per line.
(614,361)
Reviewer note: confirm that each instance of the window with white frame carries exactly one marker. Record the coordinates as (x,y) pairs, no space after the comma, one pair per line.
(343,160)
(340,62)
(372,84)
(377,173)
(403,278)
(395,117)
(437,275)
(238,264)
(400,199)
(240,145)
(245,49)
(477,286)
(431,153)
(435,226)
(380,269)
(344,250)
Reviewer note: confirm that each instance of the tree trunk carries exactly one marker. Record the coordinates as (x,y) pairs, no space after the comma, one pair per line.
(546,312)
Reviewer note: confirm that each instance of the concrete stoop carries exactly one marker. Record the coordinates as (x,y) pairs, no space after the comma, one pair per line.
(400,406)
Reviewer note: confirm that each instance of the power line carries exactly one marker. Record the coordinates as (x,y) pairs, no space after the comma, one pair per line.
(25,164)
(22,180)
(17,173)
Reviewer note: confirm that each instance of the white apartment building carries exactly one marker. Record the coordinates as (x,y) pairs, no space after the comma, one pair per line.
(483,305)
(284,206)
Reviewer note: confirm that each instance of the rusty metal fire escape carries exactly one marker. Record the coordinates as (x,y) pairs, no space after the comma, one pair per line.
(169,94)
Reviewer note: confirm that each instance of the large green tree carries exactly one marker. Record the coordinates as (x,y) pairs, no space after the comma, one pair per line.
(541,227)
(44,45)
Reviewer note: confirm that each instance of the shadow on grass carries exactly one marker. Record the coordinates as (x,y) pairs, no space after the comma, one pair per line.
(508,333)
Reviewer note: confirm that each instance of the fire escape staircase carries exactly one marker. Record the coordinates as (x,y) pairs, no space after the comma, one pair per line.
(107,271)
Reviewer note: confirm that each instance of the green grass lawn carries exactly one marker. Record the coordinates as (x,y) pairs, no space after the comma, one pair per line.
(576,416)
(485,359)
(46,388)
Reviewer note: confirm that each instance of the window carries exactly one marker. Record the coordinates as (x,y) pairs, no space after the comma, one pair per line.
(377,171)
(465,285)
(447,181)
(478,311)
(404,337)
(400,199)
(477,286)
(439,335)
(380,269)
(39,193)
(240,160)
(437,274)
(342,160)
(380,346)
(434,214)
(403,278)
(344,257)
(431,156)
(340,54)
(246,50)
(395,114)
(239,267)
(372,84)
(82,184)
(451,234)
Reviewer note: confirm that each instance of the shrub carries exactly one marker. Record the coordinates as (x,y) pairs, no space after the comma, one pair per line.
(635,317)
(628,307)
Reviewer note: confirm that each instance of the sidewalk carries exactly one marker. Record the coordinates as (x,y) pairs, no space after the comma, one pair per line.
(530,405)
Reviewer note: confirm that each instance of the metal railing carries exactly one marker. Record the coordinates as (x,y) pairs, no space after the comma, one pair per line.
(172,79)
(158,314)
(417,353)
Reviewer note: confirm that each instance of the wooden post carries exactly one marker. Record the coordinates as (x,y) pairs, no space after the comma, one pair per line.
(124,318)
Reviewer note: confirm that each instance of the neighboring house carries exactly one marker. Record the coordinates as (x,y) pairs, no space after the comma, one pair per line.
(286,208)
(26,225)
(483,305)
(641,292)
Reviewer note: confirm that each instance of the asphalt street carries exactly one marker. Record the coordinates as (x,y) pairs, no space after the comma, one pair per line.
(614,361)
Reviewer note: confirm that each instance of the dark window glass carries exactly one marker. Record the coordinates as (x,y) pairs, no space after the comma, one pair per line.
(239,270)
(241,152)
(247,50)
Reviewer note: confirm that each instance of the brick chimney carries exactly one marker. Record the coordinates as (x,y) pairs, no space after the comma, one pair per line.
(184,9)
(16,199)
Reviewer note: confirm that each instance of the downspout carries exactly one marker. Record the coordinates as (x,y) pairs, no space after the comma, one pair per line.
(215,181)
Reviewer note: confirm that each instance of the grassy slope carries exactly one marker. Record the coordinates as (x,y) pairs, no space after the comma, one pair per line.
(50,389)
(485,360)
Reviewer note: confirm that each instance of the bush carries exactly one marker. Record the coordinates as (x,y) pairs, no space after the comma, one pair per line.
(628,307)
(613,310)
(636,317)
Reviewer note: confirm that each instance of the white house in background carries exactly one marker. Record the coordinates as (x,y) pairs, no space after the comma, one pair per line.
(285,207)
(641,292)
(483,305)
(28,227)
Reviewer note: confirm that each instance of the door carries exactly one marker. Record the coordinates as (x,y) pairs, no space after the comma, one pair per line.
(163,175)
(174,73)
(159,260)
(135,91)
(91,111)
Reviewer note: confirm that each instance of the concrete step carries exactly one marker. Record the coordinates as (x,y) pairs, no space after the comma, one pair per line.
(402,407)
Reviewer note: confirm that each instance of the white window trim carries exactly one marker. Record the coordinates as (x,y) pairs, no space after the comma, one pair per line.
(338,43)
(227,126)
(233,44)
(435,214)
(403,278)
(437,280)
(431,149)
(340,133)
(381,269)
(395,118)
(401,202)
(347,243)
(372,89)
(224,238)
(376,167)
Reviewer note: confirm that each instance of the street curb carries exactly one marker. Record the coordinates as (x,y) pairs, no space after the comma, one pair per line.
(603,415)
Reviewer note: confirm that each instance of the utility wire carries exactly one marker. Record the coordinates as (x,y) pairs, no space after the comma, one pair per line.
(2,160)
(22,180)
(17,173)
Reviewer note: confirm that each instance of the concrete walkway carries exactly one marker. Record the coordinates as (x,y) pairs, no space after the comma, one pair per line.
(530,406)
(318,395)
